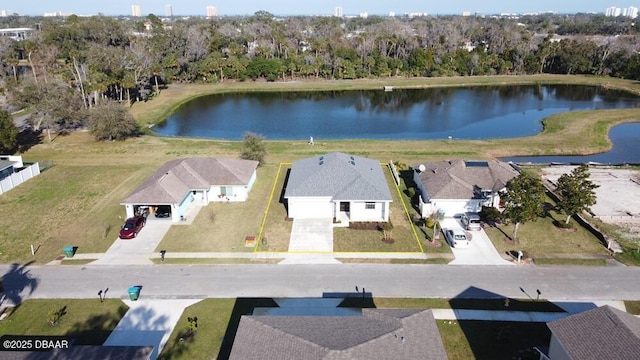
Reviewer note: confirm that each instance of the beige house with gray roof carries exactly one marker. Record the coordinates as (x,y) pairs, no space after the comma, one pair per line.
(459,186)
(338,186)
(182,182)
(377,334)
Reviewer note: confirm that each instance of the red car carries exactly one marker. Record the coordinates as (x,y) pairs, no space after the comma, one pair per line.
(132,227)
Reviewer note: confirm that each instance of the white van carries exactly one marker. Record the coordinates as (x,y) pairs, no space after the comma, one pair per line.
(471,221)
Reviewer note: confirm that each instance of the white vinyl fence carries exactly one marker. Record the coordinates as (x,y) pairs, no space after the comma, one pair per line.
(18,178)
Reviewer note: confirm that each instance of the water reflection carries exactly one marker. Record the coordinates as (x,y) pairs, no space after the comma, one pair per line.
(465,113)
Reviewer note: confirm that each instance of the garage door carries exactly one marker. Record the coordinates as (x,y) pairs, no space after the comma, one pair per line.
(310,209)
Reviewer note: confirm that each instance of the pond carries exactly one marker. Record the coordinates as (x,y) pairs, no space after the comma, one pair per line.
(479,112)
(625,150)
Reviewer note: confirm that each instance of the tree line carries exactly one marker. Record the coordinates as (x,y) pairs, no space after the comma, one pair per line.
(70,66)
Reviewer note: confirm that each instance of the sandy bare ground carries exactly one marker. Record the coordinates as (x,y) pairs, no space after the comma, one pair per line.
(618,197)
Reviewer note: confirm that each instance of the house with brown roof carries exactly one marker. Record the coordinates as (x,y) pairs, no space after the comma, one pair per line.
(600,333)
(338,186)
(182,182)
(376,334)
(459,186)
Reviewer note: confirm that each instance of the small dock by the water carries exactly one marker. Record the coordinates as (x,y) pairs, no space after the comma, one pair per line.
(388,88)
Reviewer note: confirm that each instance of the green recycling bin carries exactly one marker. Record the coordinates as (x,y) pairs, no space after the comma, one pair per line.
(134,293)
(68,251)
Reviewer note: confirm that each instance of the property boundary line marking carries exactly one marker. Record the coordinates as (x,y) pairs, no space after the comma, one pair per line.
(406,211)
(266,213)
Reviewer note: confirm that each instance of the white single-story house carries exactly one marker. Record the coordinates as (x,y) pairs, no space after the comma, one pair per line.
(339,186)
(182,182)
(459,186)
(601,333)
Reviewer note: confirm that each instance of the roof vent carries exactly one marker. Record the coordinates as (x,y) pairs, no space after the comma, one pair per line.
(422,168)
(435,171)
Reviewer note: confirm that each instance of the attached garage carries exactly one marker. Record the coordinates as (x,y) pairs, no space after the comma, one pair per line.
(182,183)
(310,208)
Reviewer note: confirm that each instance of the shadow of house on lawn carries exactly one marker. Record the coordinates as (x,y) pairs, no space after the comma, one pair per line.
(502,339)
(243,306)
(282,200)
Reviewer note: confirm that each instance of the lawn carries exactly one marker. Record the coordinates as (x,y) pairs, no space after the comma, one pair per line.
(221,226)
(217,322)
(543,237)
(276,231)
(88,321)
(77,202)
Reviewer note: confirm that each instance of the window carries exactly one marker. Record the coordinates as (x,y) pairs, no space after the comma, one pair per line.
(370,205)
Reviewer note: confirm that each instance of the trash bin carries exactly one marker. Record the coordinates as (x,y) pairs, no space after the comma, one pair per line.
(68,251)
(134,292)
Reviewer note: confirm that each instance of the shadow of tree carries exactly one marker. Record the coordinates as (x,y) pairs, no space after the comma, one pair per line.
(28,138)
(96,329)
(16,281)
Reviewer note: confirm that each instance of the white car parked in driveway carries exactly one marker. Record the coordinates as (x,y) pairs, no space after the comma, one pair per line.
(456,238)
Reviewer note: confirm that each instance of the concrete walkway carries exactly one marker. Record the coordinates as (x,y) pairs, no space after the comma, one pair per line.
(148,323)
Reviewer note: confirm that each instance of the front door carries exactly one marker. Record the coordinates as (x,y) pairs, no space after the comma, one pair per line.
(345,206)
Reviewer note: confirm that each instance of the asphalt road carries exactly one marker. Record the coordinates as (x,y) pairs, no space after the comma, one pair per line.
(229,281)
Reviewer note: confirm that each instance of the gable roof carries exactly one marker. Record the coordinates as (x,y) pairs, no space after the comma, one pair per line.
(457,179)
(5,164)
(377,334)
(170,183)
(601,333)
(339,176)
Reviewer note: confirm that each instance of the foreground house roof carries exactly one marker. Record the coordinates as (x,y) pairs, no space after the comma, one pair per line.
(459,179)
(175,178)
(601,333)
(338,176)
(377,334)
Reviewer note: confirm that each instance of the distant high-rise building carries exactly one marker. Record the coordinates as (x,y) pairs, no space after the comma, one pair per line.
(392,14)
(168,11)
(338,11)
(631,12)
(212,11)
(466,13)
(135,10)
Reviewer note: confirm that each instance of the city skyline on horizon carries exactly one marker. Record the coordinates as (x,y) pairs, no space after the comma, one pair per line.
(290,7)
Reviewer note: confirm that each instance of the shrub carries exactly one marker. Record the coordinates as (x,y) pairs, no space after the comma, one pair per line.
(490,215)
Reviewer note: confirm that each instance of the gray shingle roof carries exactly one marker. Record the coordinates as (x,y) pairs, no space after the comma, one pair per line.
(5,164)
(175,178)
(339,176)
(457,179)
(377,334)
(601,333)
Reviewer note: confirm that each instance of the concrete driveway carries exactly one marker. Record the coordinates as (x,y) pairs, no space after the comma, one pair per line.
(137,250)
(311,235)
(148,323)
(480,250)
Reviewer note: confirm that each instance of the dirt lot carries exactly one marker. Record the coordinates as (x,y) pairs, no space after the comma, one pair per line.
(618,197)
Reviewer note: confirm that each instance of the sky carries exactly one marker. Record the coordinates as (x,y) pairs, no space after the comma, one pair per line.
(301,7)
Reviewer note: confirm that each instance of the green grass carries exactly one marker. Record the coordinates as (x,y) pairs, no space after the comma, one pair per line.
(633,307)
(570,261)
(88,321)
(492,339)
(277,228)
(199,261)
(91,178)
(222,226)
(543,237)
(217,323)
(475,304)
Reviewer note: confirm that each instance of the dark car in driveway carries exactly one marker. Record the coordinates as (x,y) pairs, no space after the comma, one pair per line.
(132,227)
(163,211)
